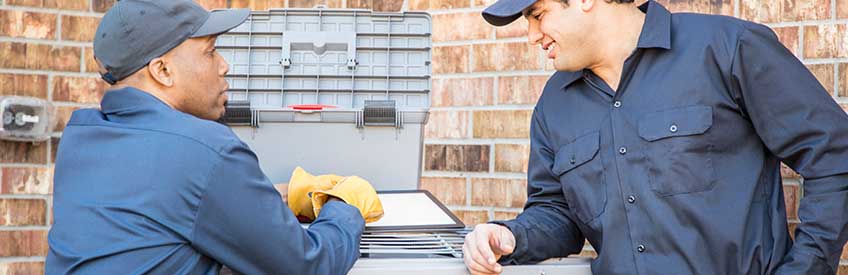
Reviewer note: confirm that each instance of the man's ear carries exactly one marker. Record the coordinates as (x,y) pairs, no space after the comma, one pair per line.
(586,5)
(161,71)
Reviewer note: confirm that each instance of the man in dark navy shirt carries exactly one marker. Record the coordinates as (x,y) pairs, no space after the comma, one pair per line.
(150,184)
(659,140)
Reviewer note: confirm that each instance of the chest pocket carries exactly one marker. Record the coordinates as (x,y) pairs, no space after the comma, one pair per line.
(678,150)
(581,174)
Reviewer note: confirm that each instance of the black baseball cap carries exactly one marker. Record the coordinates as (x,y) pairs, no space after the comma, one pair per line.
(504,12)
(133,32)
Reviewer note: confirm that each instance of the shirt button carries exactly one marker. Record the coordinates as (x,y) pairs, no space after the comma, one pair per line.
(617,104)
(673,128)
(631,199)
(640,248)
(622,150)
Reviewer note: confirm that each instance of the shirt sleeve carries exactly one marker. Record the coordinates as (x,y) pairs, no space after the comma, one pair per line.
(803,126)
(243,223)
(546,228)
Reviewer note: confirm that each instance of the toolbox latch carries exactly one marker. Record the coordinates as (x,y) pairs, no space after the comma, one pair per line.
(379,113)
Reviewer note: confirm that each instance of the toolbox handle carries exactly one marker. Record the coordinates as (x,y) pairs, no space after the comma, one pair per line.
(319,43)
(311,107)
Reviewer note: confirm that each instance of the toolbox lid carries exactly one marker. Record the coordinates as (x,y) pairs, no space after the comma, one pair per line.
(342,91)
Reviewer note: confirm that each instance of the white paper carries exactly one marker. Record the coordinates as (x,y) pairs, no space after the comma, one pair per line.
(411,209)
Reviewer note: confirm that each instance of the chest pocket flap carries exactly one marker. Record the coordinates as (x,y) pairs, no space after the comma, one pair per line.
(684,121)
(576,153)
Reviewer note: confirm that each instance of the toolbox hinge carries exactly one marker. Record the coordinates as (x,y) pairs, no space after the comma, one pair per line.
(239,112)
(379,113)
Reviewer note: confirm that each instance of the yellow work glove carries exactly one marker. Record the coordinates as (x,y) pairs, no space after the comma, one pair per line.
(354,191)
(300,186)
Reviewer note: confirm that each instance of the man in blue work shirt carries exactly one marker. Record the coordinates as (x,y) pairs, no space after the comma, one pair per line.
(660,140)
(151,184)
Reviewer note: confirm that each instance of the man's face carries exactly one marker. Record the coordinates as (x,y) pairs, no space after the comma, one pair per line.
(199,78)
(563,31)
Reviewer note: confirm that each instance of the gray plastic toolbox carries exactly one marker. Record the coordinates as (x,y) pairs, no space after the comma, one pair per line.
(347,92)
(372,68)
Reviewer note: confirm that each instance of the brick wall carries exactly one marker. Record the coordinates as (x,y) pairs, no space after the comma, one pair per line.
(486,81)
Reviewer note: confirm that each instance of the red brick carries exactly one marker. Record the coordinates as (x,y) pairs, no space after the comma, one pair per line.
(449,4)
(62,115)
(724,7)
(22,268)
(498,192)
(79,28)
(520,89)
(789,37)
(26,181)
(90,63)
(27,24)
(33,56)
(22,212)
(419,5)
(23,243)
(450,191)
(788,173)
(843,79)
(462,92)
(845,252)
(472,217)
(511,157)
(23,85)
(483,3)
(23,152)
(503,216)
(376,5)
(467,158)
(824,41)
(78,89)
(506,57)
(460,26)
(824,73)
(502,124)
(81,5)
(447,124)
(518,28)
(841,9)
(791,197)
(791,227)
(768,11)
(588,253)
(104,5)
(212,4)
(450,59)
(313,3)
(256,4)
(55,145)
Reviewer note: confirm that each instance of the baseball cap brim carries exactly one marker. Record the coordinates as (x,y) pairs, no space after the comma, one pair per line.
(504,12)
(221,21)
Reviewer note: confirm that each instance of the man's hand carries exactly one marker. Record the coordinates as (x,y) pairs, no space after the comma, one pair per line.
(484,246)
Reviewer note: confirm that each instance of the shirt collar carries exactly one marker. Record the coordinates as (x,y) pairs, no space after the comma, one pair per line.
(129,99)
(656,32)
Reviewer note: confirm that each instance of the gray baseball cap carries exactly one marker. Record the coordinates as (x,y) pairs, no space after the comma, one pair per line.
(133,32)
(505,11)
